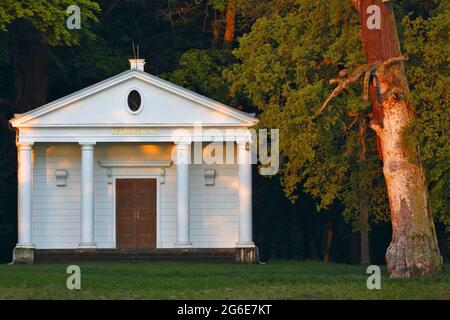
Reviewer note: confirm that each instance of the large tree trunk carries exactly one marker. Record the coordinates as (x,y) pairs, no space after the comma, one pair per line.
(413,250)
(30,60)
(230,26)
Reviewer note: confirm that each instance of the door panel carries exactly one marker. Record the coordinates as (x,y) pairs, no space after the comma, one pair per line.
(136,213)
(146,213)
(125,213)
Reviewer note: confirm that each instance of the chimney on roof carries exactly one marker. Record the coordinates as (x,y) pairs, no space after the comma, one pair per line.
(137,64)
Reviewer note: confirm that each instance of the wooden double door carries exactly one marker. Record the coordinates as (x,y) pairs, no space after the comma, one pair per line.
(136,213)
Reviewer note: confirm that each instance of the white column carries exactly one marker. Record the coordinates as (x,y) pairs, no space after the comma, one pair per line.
(87,195)
(245,195)
(182,164)
(25,185)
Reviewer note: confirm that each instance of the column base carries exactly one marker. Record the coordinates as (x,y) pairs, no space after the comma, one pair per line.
(185,245)
(245,244)
(23,254)
(246,255)
(87,245)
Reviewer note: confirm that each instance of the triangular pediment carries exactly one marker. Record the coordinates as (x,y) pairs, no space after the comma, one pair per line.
(105,104)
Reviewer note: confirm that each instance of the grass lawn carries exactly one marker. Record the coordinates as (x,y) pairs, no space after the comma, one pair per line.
(161,280)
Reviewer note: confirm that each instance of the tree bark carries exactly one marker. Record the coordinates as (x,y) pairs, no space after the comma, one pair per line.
(329,240)
(215,31)
(364,233)
(30,60)
(230,26)
(413,250)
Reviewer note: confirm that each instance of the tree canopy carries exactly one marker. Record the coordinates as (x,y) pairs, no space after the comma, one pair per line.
(48,17)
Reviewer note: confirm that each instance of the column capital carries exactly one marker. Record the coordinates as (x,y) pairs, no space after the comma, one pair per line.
(87,145)
(243,141)
(182,145)
(24,145)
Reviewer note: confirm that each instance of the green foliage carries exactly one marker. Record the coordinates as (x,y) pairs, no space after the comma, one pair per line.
(365,190)
(201,71)
(285,59)
(218,4)
(426,42)
(48,17)
(98,61)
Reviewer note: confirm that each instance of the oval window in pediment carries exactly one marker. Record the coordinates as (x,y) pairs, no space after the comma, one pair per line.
(134,101)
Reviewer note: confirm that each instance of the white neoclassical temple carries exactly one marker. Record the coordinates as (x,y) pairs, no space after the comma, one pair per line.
(134,163)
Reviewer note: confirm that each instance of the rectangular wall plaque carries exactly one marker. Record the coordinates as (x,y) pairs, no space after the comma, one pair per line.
(134,132)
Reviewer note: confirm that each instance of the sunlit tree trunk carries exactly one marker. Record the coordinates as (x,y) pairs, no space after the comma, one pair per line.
(413,250)
(230,26)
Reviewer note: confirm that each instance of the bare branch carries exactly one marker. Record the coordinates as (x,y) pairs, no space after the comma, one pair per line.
(356,75)
(366,70)
(351,125)
(393,60)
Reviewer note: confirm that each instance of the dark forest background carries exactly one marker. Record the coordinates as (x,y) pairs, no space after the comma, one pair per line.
(188,42)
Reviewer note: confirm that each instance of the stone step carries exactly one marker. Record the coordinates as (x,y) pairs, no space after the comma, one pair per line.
(193,255)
